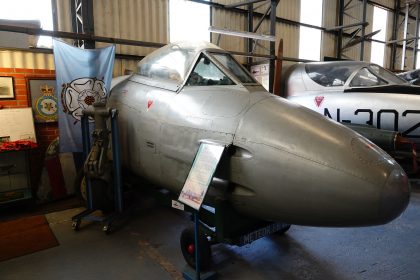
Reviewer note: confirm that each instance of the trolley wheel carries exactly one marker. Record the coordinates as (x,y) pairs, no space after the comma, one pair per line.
(106,229)
(187,242)
(284,229)
(75,225)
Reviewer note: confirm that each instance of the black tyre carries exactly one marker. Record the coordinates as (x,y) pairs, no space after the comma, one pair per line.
(188,248)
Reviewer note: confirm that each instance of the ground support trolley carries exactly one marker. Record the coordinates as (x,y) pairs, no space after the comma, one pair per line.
(218,223)
(102,175)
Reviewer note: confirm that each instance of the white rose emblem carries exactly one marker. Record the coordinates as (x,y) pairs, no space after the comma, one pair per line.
(81,94)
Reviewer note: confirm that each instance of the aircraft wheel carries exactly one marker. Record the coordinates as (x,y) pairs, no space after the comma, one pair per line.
(284,229)
(188,248)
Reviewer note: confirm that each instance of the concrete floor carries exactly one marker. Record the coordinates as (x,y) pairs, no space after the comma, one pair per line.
(147,247)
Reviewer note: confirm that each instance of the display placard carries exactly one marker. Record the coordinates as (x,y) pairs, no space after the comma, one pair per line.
(17,124)
(201,174)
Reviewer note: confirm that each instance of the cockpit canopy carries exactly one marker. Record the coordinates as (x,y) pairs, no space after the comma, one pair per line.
(173,63)
(351,74)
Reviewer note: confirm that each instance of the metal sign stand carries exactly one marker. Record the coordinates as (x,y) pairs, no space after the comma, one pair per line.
(197,246)
(195,188)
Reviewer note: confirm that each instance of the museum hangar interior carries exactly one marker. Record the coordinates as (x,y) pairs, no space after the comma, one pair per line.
(209,139)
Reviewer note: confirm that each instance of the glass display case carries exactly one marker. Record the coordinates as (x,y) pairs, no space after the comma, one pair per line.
(15,183)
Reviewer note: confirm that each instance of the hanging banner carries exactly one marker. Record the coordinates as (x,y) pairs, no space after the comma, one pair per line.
(83,78)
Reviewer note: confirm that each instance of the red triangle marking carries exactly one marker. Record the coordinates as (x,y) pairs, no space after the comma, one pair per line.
(149,104)
(318,100)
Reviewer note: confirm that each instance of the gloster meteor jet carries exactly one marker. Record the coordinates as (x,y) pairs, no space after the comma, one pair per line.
(357,92)
(286,162)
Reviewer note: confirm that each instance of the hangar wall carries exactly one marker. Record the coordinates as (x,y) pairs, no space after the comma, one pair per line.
(290,10)
(26,59)
(147,20)
(287,9)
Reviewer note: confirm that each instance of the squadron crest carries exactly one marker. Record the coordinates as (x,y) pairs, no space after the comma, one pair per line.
(46,104)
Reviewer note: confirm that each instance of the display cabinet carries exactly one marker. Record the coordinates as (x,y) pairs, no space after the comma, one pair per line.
(15,185)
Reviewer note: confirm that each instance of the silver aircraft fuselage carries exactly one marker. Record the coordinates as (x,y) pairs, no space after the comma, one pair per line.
(356,92)
(288,163)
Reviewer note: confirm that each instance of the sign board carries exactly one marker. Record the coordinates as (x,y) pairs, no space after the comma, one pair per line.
(201,174)
(261,73)
(17,124)
(177,205)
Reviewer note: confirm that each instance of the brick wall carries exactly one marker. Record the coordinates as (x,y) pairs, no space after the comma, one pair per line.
(45,132)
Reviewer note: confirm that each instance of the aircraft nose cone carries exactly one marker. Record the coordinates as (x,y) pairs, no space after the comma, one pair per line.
(312,171)
(395,195)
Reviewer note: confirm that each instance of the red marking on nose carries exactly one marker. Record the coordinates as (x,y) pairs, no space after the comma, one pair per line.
(318,100)
(149,104)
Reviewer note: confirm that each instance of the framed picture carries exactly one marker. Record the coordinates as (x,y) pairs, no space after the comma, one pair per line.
(6,88)
(43,99)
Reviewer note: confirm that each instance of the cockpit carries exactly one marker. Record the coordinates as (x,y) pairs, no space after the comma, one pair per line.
(194,64)
(351,74)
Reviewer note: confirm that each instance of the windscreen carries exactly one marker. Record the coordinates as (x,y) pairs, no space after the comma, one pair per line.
(234,67)
(206,73)
(365,78)
(386,75)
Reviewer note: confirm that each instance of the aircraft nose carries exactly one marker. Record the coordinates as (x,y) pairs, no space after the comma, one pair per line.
(395,195)
(315,171)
